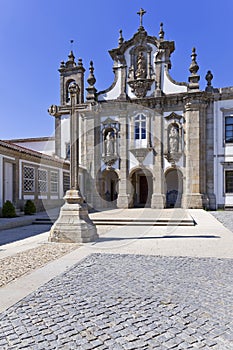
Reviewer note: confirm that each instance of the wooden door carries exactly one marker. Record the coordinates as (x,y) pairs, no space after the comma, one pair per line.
(143,189)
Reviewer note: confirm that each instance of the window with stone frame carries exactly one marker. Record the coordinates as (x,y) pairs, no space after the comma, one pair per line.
(42,181)
(54,181)
(140,130)
(229,181)
(28,179)
(229,129)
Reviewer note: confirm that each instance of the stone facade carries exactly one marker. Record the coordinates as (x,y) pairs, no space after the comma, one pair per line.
(148,140)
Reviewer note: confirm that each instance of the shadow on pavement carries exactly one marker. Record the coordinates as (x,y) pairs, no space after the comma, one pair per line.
(19,233)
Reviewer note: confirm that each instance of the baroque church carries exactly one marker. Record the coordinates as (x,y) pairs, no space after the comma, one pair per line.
(147,140)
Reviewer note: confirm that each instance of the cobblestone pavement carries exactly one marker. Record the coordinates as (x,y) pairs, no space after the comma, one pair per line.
(111,301)
(225,217)
(15,266)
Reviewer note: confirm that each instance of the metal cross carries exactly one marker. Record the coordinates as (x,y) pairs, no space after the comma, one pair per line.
(141,13)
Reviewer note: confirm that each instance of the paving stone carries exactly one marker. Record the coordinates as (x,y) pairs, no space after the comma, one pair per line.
(129,302)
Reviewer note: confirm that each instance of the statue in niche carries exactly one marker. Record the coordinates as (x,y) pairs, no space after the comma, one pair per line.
(141,66)
(173,140)
(109,143)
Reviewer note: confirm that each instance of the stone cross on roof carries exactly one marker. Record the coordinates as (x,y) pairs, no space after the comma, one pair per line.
(141,13)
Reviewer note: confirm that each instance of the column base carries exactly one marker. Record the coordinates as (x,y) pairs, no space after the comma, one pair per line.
(123,201)
(73,224)
(211,201)
(157,201)
(193,201)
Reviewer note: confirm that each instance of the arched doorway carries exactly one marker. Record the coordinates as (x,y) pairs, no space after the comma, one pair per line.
(142,186)
(174,188)
(109,187)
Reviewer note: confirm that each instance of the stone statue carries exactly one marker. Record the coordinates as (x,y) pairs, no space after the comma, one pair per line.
(141,66)
(109,143)
(173,140)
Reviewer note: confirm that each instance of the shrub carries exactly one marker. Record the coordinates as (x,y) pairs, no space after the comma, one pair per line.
(8,210)
(29,208)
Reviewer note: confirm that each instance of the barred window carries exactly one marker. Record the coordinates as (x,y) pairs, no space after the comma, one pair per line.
(42,180)
(54,181)
(28,179)
(229,181)
(66,182)
(68,151)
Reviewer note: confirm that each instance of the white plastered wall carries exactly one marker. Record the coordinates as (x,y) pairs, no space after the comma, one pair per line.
(223,153)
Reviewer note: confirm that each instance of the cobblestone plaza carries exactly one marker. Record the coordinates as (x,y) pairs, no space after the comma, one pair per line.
(113,301)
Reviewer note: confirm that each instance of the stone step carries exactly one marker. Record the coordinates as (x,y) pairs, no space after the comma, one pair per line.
(42,221)
(144,222)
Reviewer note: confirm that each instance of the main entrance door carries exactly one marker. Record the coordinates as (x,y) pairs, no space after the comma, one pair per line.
(141,181)
(143,188)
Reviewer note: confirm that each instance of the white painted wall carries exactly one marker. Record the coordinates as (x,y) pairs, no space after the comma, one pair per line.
(222,152)
(168,86)
(46,147)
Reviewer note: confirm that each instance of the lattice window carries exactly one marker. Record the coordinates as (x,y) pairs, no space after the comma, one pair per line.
(42,180)
(28,179)
(54,181)
(229,181)
(66,182)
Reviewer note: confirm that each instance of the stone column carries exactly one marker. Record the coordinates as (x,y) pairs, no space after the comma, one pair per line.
(158,197)
(123,196)
(211,198)
(195,151)
(73,224)
(58,136)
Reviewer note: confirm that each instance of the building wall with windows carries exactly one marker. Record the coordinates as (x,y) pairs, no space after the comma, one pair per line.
(27,174)
(223,130)
(148,140)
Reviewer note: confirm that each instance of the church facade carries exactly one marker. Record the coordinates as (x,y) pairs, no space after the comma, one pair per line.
(148,140)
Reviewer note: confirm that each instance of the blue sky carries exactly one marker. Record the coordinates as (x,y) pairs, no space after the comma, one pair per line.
(35,37)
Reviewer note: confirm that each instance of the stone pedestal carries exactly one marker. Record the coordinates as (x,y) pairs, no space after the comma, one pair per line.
(193,201)
(73,224)
(157,201)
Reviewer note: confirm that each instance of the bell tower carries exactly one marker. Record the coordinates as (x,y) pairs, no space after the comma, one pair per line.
(70,73)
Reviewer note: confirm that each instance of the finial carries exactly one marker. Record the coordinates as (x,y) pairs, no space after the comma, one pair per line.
(209,76)
(91,79)
(80,62)
(194,66)
(194,78)
(121,39)
(71,56)
(161,32)
(62,65)
(141,13)
(91,90)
